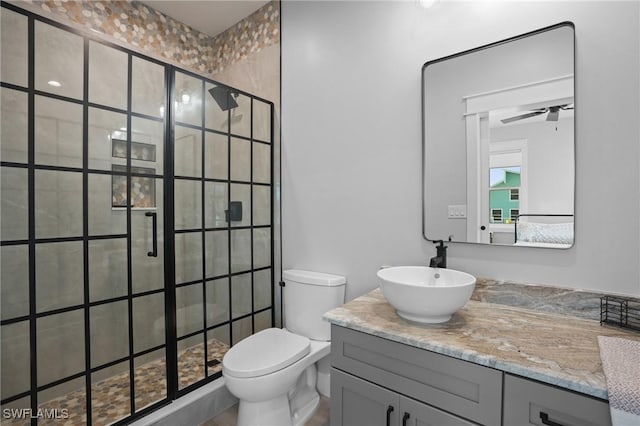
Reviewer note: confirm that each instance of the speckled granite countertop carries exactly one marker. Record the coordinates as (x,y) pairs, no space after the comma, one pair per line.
(557,349)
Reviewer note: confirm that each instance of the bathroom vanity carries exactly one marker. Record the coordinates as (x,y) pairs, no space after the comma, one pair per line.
(491,365)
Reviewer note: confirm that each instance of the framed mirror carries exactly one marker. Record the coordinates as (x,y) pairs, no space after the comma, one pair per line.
(499,142)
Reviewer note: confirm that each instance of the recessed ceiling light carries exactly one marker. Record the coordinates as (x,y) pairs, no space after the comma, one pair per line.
(185,98)
(54,83)
(427,3)
(124,129)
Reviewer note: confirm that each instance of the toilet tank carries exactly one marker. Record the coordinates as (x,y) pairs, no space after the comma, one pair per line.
(307,296)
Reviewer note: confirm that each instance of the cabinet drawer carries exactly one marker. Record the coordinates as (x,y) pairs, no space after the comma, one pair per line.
(459,387)
(356,402)
(527,402)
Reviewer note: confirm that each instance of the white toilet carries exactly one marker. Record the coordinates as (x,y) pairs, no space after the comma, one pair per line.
(273,372)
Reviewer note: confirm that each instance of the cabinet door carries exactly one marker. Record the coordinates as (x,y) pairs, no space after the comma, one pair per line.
(531,403)
(355,402)
(414,413)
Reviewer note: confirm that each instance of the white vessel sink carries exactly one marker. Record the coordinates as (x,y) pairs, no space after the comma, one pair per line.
(423,294)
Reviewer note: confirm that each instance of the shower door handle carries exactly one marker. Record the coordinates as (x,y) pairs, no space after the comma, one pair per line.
(154,235)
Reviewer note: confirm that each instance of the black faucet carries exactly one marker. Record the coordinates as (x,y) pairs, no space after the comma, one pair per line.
(440,261)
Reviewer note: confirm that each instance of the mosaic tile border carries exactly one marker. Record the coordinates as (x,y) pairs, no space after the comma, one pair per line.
(251,35)
(135,24)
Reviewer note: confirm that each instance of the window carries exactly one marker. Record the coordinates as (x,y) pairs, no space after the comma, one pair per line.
(504,194)
(496,215)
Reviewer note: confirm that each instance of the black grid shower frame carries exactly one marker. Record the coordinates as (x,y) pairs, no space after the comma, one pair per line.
(203,129)
(85,238)
(169,248)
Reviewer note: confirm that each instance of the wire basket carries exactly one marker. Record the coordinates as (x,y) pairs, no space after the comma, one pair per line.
(620,311)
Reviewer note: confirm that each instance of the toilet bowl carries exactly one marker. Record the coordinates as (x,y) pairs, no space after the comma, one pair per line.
(279,386)
(274,373)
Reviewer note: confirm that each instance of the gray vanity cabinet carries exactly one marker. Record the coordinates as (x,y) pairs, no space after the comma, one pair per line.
(356,402)
(376,381)
(531,403)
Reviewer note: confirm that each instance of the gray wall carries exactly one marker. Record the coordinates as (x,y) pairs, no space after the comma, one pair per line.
(351,138)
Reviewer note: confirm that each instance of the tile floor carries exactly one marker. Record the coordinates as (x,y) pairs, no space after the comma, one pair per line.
(110,397)
(229,416)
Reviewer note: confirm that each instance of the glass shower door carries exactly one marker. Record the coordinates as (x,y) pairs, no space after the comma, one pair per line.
(83,273)
(125,215)
(147,194)
(125,192)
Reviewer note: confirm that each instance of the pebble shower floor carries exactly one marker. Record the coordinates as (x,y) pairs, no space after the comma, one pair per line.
(110,397)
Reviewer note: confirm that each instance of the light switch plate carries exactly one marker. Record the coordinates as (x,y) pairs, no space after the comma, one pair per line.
(457,211)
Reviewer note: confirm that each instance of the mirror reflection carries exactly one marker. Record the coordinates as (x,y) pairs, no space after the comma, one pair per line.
(498,135)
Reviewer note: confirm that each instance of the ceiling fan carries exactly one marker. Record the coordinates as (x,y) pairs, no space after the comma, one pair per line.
(554,113)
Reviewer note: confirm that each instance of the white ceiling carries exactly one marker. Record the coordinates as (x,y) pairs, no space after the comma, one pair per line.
(208,16)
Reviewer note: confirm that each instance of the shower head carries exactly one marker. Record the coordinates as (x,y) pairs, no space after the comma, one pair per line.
(224,97)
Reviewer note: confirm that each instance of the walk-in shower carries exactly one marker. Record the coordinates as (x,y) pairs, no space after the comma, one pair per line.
(127,271)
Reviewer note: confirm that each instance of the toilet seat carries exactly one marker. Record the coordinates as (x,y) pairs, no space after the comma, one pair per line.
(275,349)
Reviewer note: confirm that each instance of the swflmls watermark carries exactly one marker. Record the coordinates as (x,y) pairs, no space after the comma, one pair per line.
(41,413)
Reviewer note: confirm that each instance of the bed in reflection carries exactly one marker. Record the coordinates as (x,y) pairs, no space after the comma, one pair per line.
(544,230)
